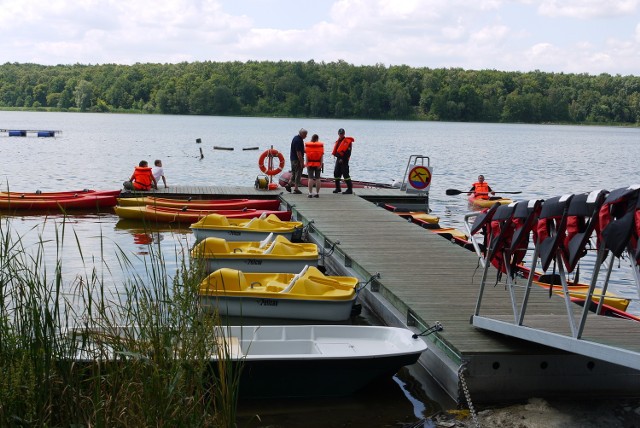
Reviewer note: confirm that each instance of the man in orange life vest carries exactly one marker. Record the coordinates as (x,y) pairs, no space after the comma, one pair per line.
(342,152)
(481,189)
(314,150)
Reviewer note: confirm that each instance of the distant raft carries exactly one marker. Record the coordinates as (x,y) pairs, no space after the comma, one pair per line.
(30,132)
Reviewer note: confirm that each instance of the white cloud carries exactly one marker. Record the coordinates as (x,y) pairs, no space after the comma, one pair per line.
(585,9)
(554,35)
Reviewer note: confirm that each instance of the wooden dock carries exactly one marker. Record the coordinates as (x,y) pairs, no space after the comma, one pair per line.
(426,279)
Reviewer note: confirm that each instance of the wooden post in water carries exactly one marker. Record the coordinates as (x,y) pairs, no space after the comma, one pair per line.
(201,154)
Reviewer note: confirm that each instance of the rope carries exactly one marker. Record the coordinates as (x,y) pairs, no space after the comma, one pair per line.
(374,276)
(435,328)
(305,232)
(330,251)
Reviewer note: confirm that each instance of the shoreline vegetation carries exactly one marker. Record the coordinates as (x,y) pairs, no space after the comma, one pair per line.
(324,90)
(158,373)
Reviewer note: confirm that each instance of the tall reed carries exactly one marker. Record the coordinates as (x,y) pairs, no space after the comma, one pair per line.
(75,352)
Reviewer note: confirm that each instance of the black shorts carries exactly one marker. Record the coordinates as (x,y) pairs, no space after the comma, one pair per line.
(313,172)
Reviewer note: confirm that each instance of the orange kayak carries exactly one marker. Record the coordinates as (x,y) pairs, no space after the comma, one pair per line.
(201,204)
(487,203)
(177,215)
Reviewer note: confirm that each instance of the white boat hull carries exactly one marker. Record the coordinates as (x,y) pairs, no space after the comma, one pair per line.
(316,310)
(284,360)
(324,360)
(260,264)
(235,235)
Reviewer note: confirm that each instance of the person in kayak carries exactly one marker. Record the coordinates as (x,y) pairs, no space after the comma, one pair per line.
(142,178)
(481,188)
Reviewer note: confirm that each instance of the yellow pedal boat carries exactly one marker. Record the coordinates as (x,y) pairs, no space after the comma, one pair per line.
(273,254)
(232,229)
(307,295)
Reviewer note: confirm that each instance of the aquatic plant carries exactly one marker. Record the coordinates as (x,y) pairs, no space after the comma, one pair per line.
(74,351)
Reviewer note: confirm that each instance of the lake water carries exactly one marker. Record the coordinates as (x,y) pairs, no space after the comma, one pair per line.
(99,151)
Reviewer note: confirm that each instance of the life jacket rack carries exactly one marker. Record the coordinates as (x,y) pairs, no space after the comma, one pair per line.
(560,231)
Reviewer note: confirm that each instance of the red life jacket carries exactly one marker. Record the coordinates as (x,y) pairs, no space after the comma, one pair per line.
(637,243)
(481,190)
(142,178)
(619,223)
(552,230)
(342,148)
(314,151)
(501,231)
(524,225)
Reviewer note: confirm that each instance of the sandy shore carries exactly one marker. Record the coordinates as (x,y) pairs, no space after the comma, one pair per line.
(539,413)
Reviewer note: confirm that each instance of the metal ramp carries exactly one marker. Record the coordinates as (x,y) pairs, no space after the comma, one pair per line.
(563,229)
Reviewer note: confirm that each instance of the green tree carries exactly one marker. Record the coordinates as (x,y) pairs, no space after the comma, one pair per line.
(83,94)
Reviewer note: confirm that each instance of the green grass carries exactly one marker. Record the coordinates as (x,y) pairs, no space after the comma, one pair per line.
(158,373)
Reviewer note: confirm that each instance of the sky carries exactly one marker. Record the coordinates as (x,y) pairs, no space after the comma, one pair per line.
(570,36)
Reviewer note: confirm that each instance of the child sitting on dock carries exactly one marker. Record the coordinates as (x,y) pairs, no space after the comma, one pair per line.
(142,178)
(158,172)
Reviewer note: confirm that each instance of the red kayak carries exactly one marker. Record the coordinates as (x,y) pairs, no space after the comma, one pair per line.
(202,204)
(327,182)
(58,195)
(153,213)
(84,201)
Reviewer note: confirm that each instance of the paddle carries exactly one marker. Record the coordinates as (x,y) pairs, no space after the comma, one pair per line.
(457,192)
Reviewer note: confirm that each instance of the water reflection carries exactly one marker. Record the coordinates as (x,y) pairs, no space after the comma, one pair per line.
(387,402)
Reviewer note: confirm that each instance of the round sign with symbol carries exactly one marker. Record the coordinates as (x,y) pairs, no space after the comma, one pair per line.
(419,177)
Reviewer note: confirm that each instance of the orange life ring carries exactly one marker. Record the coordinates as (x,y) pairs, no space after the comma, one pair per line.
(268,168)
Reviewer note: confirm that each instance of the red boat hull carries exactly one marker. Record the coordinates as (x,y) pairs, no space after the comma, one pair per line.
(58,195)
(84,201)
(327,182)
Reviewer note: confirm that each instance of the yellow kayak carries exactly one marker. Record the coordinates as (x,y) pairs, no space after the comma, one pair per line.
(579,292)
(488,203)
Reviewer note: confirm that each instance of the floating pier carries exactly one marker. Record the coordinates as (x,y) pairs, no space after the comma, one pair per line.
(425,279)
(30,133)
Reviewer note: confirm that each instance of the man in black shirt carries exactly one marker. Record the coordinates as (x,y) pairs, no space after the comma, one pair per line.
(297,160)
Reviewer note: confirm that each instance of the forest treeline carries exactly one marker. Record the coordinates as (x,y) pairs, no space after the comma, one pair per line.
(324,90)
